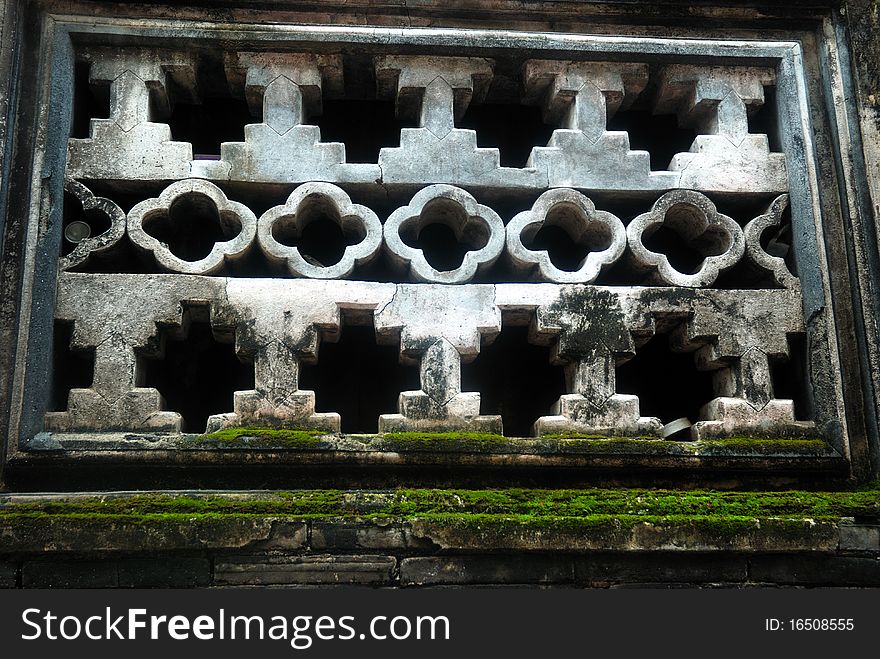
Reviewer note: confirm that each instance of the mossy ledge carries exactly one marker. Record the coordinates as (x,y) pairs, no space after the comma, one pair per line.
(476,442)
(263,437)
(524,509)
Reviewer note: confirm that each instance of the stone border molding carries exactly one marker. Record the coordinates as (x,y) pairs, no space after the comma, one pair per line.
(231,249)
(757,255)
(700,217)
(349,216)
(102,242)
(577,215)
(462,214)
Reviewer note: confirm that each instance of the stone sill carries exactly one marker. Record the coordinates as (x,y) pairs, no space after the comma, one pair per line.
(444,449)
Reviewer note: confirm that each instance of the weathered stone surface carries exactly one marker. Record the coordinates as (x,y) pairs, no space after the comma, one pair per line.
(129,145)
(577,215)
(236,221)
(169,572)
(261,570)
(302,206)
(860,537)
(353,535)
(97,244)
(491,569)
(716,101)
(276,326)
(116,317)
(284,88)
(815,570)
(473,223)
(695,219)
(602,570)
(437,91)
(69,574)
(582,96)
(439,326)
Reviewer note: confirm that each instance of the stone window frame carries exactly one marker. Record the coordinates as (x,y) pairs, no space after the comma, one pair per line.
(808,194)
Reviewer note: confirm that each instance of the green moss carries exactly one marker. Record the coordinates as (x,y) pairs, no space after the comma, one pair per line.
(603,438)
(524,506)
(442,441)
(255,437)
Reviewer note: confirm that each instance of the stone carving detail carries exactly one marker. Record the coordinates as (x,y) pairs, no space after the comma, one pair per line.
(331,201)
(717,101)
(581,97)
(276,327)
(102,242)
(118,317)
(284,89)
(471,222)
(578,216)
(236,220)
(437,91)
(756,254)
(695,219)
(129,145)
(439,327)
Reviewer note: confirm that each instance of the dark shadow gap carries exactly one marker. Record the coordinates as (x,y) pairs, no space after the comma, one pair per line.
(197,375)
(668,384)
(192,226)
(215,120)
(89,101)
(363,126)
(658,134)
(511,128)
(515,379)
(71,369)
(790,377)
(766,120)
(358,378)
(80,224)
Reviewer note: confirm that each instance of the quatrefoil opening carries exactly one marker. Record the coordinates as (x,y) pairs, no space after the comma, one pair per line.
(601,235)
(192,228)
(281,232)
(755,252)
(717,238)
(97,212)
(474,226)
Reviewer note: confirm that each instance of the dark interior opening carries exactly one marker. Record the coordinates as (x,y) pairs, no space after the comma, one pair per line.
(197,375)
(515,379)
(363,126)
(658,134)
(436,237)
(192,226)
(790,377)
(766,120)
(676,238)
(97,221)
(71,369)
(668,384)
(216,119)
(778,241)
(323,238)
(358,378)
(89,101)
(511,128)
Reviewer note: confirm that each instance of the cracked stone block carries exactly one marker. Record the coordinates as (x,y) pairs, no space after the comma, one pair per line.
(102,243)
(303,205)
(577,215)
(592,339)
(119,317)
(581,97)
(129,145)
(759,258)
(439,326)
(697,222)
(276,326)
(436,91)
(476,225)
(716,101)
(284,89)
(204,198)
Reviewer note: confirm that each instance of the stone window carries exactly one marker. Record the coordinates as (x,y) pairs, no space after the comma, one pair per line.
(648,224)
